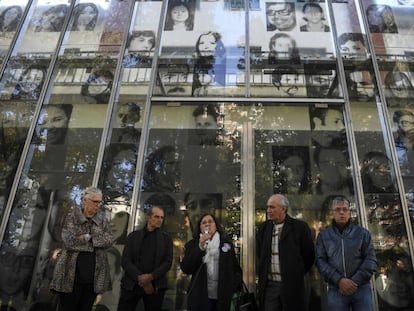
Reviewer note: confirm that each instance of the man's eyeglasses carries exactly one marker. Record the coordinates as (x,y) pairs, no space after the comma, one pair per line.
(341,209)
(284,12)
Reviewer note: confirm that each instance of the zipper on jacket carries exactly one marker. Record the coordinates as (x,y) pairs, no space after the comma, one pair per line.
(343,256)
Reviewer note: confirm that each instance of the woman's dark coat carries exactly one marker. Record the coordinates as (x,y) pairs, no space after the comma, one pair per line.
(230,275)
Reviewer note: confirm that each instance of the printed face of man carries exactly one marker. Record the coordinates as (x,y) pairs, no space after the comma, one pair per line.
(141,44)
(155,220)
(406,126)
(363,85)
(281,15)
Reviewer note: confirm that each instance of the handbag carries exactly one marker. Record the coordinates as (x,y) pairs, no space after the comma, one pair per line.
(244,300)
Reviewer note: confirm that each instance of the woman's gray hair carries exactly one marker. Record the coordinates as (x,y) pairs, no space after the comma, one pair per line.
(90,191)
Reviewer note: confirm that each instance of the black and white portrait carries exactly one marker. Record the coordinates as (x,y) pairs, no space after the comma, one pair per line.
(139,47)
(85,17)
(30,83)
(180,15)
(52,19)
(291,169)
(280,16)
(381,19)
(10,18)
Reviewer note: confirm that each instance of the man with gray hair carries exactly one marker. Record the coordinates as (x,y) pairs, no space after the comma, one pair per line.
(285,253)
(345,257)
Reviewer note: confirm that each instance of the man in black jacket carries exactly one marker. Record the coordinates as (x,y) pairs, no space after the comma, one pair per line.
(146,259)
(285,253)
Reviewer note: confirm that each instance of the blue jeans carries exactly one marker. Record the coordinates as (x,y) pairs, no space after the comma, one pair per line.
(360,301)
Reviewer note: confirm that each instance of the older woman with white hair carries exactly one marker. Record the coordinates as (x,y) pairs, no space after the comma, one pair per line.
(82,269)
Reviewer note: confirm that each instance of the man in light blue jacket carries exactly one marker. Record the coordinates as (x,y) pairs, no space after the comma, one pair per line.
(345,258)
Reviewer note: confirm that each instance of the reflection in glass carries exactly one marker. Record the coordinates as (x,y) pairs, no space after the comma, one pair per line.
(360,84)
(320,82)
(328,127)
(119,170)
(16,266)
(98,86)
(30,83)
(162,170)
(376,173)
(400,88)
(209,68)
(404,139)
(352,45)
(283,46)
(172,78)
(10,18)
(52,19)
(333,171)
(85,17)
(280,16)
(139,47)
(286,79)
(395,280)
(53,123)
(381,19)
(314,18)
(206,118)
(180,15)
(291,172)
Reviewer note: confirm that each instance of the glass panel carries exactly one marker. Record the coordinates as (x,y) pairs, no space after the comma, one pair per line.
(386,223)
(305,151)
(192,166)
(63,152)
(200,54)
(390,27)
(15,122)
(280,44)
(11,13)
(139,52)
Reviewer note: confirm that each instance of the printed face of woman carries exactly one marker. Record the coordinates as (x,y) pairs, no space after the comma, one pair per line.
(179,14)
(283,46)
(207,45)
(86,16)
(53,123)
(10,16)
(141,44)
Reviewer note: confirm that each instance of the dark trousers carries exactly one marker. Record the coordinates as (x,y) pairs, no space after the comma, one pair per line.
(81,298)
(273,299)
(129,299)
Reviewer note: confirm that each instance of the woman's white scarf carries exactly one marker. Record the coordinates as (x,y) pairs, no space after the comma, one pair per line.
(211,258)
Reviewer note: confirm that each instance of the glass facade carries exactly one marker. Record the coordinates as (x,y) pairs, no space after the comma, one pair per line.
(204,106)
